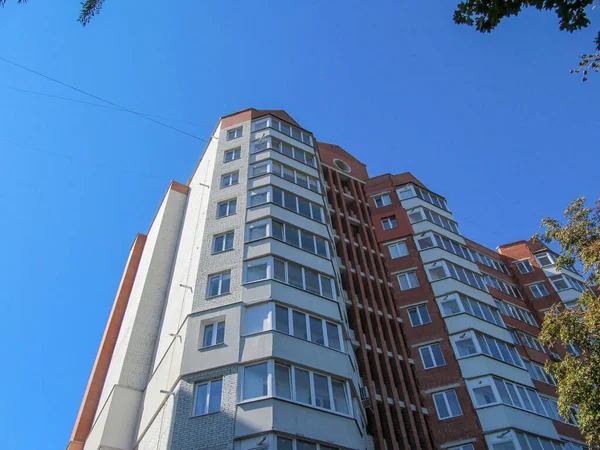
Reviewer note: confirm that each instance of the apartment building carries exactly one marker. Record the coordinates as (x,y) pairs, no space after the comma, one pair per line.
(283,299)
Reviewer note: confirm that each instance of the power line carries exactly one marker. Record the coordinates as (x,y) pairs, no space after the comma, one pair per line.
(101,99)
(44,94)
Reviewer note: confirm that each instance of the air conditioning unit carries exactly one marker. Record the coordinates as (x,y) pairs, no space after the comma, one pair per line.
(364,398)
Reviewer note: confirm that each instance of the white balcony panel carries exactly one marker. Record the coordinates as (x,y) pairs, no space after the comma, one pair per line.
(502,416)
(424,226)
(270,209)
(437,253)
(414,202)
(480,365)
(463,322)
(449,285)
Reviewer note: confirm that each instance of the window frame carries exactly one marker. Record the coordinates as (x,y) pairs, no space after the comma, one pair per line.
(407,274)
(392,222)
(235,152)
(429,350)
(270,192)
(214,327)
(461,300)
(207,400)
(228,205)
(233,177)
(419,313)
(220,275)
(271,170)
(444,395)
(476,340)
(382,197)
(233,133)
(526,264)
(224,248)
(398,244)
(271,122)
(284,148)
(539,290)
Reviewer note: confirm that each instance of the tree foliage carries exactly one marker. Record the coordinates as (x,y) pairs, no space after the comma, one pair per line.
(578,378)
(485,15)
(89,8)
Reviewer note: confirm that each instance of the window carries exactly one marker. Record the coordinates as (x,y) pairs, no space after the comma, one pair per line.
(229,179)
(256,381)
(463,447)
(234,134)
(430,240)
(288,233)
(258,197)
(442,269)
(295,384)
(290,273)
(382,200)
(389,222)
(308,327)
(226,208)
(207,397)
(297,444)
(545,259)
(531,342)
(539,290)
(488,391)
(502,286)
(419,214)
(494,264)
(271,143)
(514,439)
(412,191)
(446,404)
(561,282)
(259,318)
(524,266)
(408,280)
(223,242)
(214,334)
(516,312)
(537,372)
(284,128)
(231,155)
(287,173)
(398,249)
(432,356)
(419,316)
(219,284)
(472,343)
(296,204)
(458,303)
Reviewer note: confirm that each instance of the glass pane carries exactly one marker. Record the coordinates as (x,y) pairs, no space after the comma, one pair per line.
(214,403)
(258,198)
(513,395)
(326,287)
(504,397)
(289,201)
(257,271)
(232,206)
(484,395)
(225,282)
(453,402)
(440,406)
(279,270)
(277,197)
(255,381)
(412,278)
(312,281)
(426,357)
(201,394)
(222,210)
(534,443)
(465,347)
(321,392)
(288,150)
(303,445)
(282,319)
(304,207)
(213,286)
(257,231)
(307,241)
(425,243)
(282,381)
(220,333)
(208,335)
(258,318)
(288,174)
(284,443)
(292,235)
(299,322)
(302,180)
(524,398)
(415,319)
(437,355)
(340,401)
(302,386)
(295,275)
(424,314)
(316,330)
(333,336)
(321,247)
(277,230)
(450,307)
(260,169)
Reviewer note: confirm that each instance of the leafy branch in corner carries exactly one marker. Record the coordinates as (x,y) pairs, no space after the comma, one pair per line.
(89,9)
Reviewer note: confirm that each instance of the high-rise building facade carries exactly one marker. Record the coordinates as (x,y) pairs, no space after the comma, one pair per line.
(283,299)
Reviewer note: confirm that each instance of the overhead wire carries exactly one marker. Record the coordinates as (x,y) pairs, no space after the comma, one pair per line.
(101,99)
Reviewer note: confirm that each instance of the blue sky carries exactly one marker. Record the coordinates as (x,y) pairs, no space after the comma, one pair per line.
(493,122)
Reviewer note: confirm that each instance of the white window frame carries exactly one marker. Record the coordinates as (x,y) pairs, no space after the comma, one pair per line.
(408,280)
(462,299)
(408,189)
(537,291)
(271,168)
(220,276)
(473,336)
(271,387)
(236,153)
(548,255)
(208,388)
(224,247)
(276,124)
(381,200)
(235,133)
(444,396)
(400,246)
(230,179)
(290,151)
(391,221)
(424,317)
(524,264)
(214,327)
(429,350)
(316,211)
(463,447)
(228,203)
